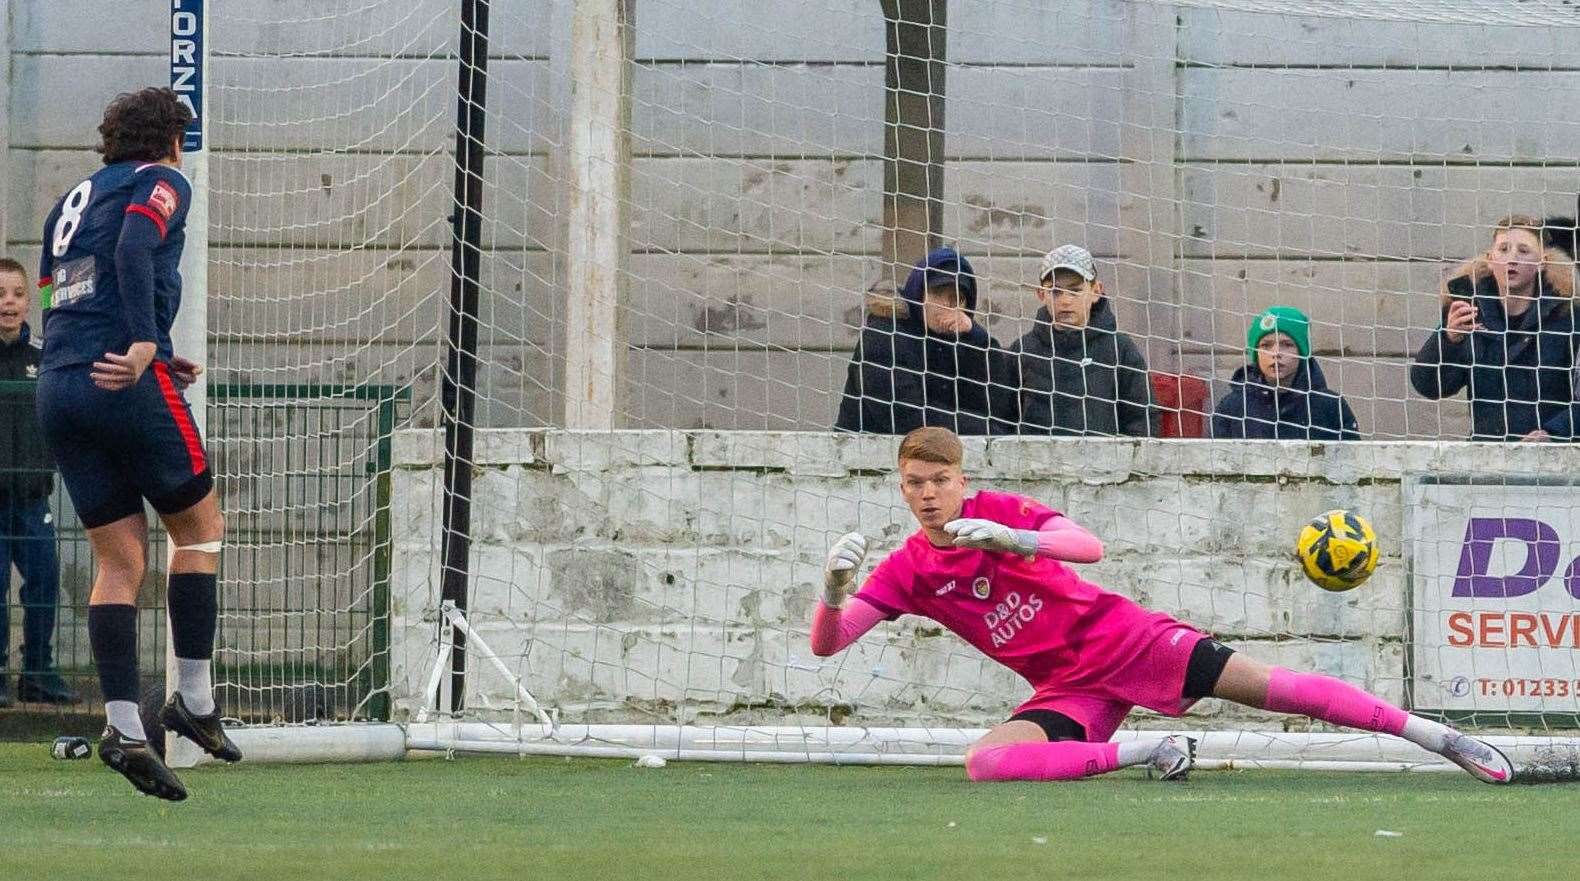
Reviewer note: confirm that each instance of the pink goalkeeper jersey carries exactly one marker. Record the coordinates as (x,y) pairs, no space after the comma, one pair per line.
(1034,616)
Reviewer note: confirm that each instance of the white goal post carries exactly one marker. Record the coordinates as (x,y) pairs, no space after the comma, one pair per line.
(189,336)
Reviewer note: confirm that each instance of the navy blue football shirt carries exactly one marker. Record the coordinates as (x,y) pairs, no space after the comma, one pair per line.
(110,271)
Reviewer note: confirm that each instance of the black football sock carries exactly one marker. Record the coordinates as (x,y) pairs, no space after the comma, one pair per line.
(112,632)
(194,612)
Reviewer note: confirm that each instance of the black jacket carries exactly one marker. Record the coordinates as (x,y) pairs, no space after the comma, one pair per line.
(1561,233)
(26,469)
(1088,381)
(1519,374)
(1305,409)
(904,376)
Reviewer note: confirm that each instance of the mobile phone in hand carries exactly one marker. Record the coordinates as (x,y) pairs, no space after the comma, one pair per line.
(1461,288)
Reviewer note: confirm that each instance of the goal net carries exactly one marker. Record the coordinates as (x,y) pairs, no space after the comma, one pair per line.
(685,221)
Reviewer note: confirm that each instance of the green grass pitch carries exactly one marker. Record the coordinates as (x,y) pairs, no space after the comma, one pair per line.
(499,817)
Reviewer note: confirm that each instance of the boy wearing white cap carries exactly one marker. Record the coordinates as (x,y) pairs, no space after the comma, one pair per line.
(1079,375)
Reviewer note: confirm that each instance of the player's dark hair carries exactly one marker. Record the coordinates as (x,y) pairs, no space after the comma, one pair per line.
(140,125)
(9,265)
(937,445)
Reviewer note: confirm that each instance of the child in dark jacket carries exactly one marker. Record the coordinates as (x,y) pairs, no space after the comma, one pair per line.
(931,364)
(1078,373)
(27,522)
(1508,339)
(1281,392)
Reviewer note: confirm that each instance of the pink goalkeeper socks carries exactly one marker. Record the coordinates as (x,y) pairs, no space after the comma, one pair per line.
(1061,760)
(1331,700)
(1309,694)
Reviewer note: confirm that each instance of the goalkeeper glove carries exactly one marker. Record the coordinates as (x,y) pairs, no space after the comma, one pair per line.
(844,558)
(989,536)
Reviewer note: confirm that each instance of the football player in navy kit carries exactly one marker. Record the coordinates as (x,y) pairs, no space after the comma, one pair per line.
(111,405)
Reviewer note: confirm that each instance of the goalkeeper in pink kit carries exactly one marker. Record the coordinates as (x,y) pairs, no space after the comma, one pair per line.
(991,567)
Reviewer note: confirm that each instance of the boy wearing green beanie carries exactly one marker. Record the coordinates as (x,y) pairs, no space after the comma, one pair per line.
(1286,320)
(1281,392)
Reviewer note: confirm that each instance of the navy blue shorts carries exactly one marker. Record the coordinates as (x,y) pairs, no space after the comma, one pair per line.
(114,449)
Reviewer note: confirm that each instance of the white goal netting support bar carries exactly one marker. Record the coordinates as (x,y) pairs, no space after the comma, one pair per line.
(687,238)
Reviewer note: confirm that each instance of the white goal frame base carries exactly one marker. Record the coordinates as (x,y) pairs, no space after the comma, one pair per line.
(1216,750)
(435,731)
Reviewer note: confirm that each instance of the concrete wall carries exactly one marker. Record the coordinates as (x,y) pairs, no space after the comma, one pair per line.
(664,576)
(1215,161)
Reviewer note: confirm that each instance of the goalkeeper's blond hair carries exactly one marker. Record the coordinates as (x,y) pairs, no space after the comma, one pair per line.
(937,445)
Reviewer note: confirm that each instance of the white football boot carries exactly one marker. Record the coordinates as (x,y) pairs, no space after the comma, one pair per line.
(1173,758)
(1484,761)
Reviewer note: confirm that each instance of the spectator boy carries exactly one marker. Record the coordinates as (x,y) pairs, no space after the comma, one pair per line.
(930,363)
(27,526)
(1078,374)
(1507,339)
(1281,393)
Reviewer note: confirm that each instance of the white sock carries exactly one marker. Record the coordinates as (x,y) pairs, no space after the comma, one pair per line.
(1426,734)
(1137,752)
(123,717)
(195,681)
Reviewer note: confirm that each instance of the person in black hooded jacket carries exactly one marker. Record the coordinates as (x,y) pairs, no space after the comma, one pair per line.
(1508,339)
(1078,374)
(931,364)
(1281,393)
(27,522)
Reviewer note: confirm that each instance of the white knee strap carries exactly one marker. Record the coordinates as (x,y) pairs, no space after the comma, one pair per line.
(207,547)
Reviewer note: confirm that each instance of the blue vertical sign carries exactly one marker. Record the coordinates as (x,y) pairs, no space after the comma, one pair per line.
(186,65)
